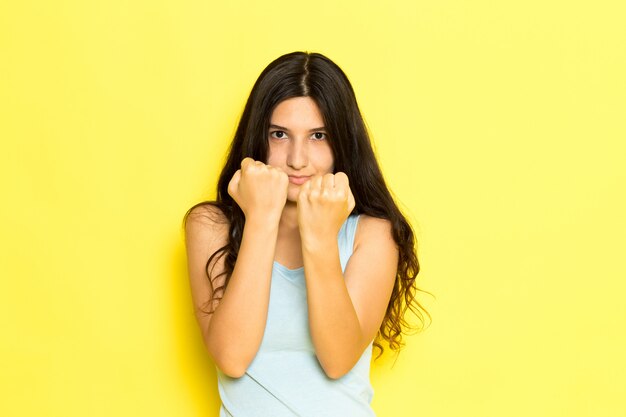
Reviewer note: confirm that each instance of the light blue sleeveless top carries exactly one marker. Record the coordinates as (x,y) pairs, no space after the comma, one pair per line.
(285,378)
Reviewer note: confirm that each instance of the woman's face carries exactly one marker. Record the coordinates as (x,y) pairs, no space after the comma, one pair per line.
(298,142)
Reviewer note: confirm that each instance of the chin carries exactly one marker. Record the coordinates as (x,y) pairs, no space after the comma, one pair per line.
(292,196)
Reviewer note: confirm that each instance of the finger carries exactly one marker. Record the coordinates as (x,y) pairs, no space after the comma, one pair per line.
(351,200)
(302,196)
(306,186)
(316,182)
(328,181)
(341,180)
(303,193)
(284,177)
(246,162)
(276,171)
(234,183)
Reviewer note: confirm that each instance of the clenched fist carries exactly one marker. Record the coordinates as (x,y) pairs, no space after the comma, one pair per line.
(324,204)
(260,190)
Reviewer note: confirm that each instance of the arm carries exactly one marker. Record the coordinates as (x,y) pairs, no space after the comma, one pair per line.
(345,313)
(233,333)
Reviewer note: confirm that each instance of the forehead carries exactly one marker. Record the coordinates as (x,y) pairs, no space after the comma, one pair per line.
(297,112)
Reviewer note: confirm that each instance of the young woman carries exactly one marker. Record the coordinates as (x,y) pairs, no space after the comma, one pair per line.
(304,262)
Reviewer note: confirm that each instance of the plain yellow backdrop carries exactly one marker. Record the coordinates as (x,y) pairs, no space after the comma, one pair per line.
(500,127)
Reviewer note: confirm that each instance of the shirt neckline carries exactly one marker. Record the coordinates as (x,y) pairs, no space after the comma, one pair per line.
(283,268)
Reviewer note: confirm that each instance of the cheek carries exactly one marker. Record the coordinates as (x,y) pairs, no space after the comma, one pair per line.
(272,155)
(324,157)
(329,160)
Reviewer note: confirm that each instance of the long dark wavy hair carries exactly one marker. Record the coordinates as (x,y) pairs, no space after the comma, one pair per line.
(307,74)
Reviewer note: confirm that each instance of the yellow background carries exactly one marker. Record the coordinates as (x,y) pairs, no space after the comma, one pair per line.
(500,126)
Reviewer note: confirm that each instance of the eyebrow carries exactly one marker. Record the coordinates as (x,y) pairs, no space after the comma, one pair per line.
(317,129)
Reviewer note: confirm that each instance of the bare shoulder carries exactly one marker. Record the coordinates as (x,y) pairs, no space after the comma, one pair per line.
(373,231)
(206,231)
(205,216)
(206,224)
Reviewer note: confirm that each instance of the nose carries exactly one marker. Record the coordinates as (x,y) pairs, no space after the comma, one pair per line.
(298,157)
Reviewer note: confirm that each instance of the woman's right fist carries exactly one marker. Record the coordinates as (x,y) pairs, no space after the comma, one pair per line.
(259,189)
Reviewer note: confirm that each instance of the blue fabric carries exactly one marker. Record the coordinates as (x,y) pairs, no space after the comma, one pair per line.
(285,378)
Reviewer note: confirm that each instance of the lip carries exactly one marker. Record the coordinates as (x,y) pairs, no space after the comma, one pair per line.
(298,180)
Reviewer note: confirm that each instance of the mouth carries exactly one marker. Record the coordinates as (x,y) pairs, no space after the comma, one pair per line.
(298,180)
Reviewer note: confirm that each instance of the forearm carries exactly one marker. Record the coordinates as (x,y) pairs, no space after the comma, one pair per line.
(334,324)
(238,323)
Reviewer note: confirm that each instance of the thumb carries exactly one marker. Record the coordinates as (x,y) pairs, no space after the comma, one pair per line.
(351,202)
(233,185)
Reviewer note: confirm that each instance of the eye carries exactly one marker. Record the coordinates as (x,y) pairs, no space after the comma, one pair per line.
(278,134)
(319,135)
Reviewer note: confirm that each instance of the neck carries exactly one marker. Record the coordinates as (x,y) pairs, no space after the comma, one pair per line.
(289,219)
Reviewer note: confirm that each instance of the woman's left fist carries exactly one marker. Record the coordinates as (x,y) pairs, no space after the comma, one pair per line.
(324,204)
